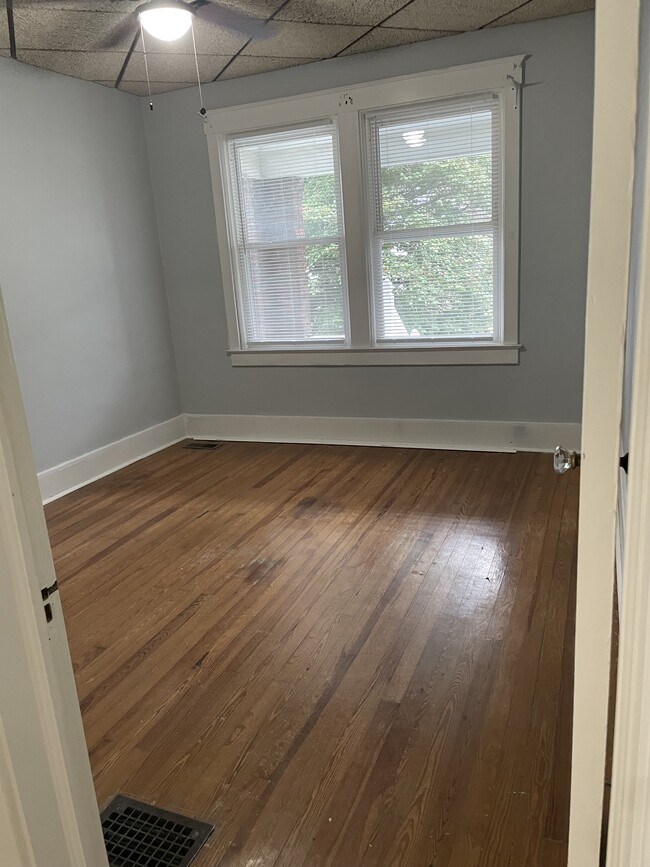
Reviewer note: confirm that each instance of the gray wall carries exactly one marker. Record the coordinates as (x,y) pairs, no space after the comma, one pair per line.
(80,266)
(556,151)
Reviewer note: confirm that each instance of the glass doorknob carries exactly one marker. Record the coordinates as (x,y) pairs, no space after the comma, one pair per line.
(565,459)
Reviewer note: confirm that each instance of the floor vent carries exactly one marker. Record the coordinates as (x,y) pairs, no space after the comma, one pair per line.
(202,444)
(139,835)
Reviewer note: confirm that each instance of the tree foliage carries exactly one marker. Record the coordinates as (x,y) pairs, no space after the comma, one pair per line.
(436,282)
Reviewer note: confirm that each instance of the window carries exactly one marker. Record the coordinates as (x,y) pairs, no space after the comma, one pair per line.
(434,181)
(374,226)
(285,188)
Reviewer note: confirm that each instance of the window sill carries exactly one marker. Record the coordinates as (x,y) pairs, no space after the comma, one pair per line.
(477,353)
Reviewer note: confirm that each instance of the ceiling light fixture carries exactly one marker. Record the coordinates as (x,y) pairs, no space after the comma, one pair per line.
(414,138)
(166,19)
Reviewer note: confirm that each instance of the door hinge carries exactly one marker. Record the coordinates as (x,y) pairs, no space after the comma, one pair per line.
(46,592)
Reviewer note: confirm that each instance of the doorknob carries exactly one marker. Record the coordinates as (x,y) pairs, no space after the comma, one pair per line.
(565,459)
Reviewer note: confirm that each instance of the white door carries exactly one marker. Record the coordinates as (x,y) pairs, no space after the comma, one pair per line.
(629,830)
(48,809)
(615,111)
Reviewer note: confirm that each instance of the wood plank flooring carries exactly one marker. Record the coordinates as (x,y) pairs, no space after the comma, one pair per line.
(345,657)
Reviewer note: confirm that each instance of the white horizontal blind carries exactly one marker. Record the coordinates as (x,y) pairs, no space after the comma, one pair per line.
(435,217)
(287,226)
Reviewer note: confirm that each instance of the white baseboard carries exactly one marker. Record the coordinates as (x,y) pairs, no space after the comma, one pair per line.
(497,436)
(487,436)
(80,471)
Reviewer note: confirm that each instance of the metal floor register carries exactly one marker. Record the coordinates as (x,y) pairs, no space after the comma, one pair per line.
(139,835)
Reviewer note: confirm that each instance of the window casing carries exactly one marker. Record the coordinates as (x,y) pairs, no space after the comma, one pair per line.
(373,226)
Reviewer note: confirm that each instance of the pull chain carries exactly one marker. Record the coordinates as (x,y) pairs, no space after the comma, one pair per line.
(146,65)
(202,112)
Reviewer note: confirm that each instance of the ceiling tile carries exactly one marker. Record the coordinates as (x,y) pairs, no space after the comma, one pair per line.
(139,88)
(256,8)
(174,67)
(450,14)
(89,65)
(537,9)
(389,37)
(117,6)
(366,12)
(4,29)
(43,27)
(304,40)
(243,65)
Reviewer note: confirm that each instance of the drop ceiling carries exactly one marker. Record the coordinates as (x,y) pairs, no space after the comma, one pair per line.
(65,35)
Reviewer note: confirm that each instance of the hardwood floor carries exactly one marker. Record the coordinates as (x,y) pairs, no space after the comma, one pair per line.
(343,656)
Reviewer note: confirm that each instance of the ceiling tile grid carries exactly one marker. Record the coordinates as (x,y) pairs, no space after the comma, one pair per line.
(459,15)
(175,67)
(536,9)
(391,37)
(89,65)
(293,39)
(71,36)
(244,65)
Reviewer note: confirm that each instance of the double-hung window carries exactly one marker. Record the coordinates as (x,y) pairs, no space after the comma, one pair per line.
(435,214)
(288,230)
(373,226)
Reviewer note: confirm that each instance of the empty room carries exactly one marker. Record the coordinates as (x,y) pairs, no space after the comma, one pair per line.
(324,375)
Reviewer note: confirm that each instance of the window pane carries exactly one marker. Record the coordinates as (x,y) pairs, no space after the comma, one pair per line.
(296,295)
(287,215)
(435,205)
(440,193)
(436,287)
(436,171)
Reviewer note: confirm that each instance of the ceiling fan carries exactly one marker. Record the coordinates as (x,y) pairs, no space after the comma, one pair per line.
(171,19)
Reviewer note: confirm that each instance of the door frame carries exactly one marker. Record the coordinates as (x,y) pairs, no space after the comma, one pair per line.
(629,834)
(614,134)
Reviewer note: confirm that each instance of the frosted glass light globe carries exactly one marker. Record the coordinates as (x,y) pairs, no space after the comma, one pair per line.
(166,22)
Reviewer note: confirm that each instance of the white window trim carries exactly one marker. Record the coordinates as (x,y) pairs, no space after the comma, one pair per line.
(348,107)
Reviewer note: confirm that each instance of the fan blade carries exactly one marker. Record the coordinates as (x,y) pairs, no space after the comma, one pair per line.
(120,35)
(223,16)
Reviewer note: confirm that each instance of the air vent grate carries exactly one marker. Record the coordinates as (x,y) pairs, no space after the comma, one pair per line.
(202,444)
(139,835)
